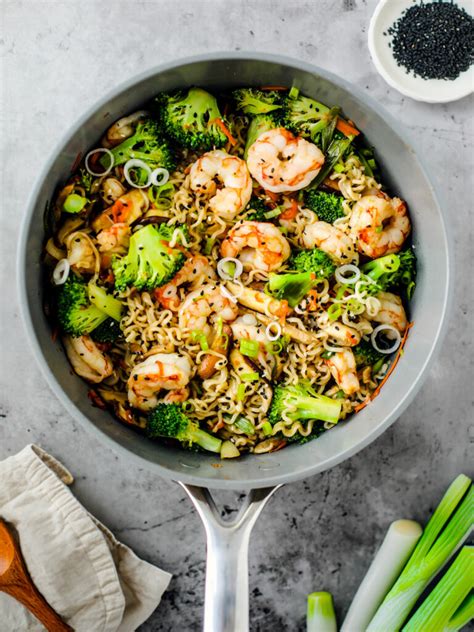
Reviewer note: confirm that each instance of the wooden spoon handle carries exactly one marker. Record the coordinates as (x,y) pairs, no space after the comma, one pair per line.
(38,606)
(29,596)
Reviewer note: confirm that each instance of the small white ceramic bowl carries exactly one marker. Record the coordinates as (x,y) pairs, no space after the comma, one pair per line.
(428,90)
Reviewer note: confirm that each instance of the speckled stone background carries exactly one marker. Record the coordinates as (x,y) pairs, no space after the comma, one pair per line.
(57,58)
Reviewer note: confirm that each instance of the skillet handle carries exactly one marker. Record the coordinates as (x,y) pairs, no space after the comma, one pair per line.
(226,606)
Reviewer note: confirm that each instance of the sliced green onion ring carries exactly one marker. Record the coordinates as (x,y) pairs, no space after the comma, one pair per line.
(61,272)
(223,267)
(159,176)
(136,163)
(341,272)
(273,331)
(99,150)
(334,311)
(396,335)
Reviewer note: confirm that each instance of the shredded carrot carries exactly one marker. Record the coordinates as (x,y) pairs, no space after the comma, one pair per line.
(96,400)
(291,212)
(273,196)
(362,405)
(110,278)
(273,88)
(105,262)
(54,334)
(313,301)
(76,162)
(346,128)
(225,131)
(394,363)
(119,211)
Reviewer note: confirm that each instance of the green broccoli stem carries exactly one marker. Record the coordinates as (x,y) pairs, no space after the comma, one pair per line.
(316,407)
(104,301)
(376,268)
(291,287)
(205,440)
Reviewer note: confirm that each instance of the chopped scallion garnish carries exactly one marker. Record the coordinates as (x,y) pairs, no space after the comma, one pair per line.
(74,203)
(240,392)
(249,348)
(249,377)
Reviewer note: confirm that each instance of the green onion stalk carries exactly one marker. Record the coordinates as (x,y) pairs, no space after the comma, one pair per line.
(448,528)
(439,611)
(320,615)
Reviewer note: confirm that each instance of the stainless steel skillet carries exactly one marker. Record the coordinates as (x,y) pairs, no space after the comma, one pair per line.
(226,607)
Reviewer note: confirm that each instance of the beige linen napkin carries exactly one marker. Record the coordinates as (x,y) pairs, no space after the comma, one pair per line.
(93,581)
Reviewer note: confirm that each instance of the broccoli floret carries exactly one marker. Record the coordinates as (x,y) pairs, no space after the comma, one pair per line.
(252,101)
(150,262)
(306,117)
(300,401)
(393,271)
(84,179)
(317,430)
(258,208)
(76,314)
(167,232)
(327,206)
(108,331)
(258,125)
(147,144)
(366,355)
(169,420)
(261,212)
(314,260)
(191,118)
(291,287)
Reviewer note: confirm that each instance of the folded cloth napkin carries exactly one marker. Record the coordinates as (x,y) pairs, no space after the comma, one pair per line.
(94,582)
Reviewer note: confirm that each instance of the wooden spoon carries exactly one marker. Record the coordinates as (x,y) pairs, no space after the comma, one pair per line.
(16,582)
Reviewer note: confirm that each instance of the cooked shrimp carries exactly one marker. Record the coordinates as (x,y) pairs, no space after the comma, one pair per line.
(114,239)
(242,329)
(87,359)
(330,239)
(196,271)
(126,209)
(343,369)
(81,253)
(391,311)
(177,396)
(343,334)
(122,129)
(220,168)
(202,307)
(161,371)
(260,245)
(280,161)
(379,224)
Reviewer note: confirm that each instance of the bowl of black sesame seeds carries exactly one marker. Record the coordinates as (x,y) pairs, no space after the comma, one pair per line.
(425,49)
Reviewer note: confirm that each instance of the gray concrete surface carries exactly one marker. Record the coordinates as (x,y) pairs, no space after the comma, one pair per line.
(57,58)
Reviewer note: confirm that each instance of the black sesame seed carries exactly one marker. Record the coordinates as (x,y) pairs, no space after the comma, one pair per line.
(433,40)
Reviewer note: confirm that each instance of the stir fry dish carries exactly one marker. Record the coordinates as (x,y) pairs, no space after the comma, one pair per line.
(229,271)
